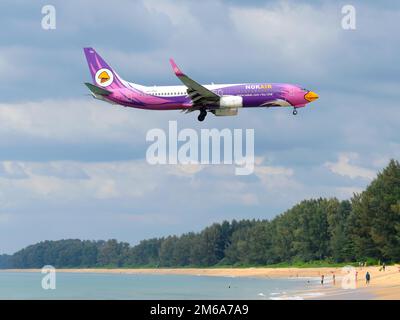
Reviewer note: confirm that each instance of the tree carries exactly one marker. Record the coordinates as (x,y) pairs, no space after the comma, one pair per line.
(367,226)
(376,216)
(337,216)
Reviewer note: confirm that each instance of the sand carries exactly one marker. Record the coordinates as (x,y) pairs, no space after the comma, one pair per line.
(383,284)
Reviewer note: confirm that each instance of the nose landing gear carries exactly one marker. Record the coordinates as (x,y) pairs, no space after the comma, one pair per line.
(202,115)
(294,111)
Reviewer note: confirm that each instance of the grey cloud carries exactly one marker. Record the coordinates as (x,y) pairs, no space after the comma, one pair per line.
(313,50)
(12,170)
(72,145)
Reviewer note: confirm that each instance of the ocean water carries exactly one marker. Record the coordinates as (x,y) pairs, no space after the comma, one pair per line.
(28,285)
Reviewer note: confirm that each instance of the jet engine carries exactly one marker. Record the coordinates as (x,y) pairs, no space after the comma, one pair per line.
(231,102)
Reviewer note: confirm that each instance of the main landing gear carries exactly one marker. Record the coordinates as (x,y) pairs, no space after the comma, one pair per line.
(202,115)
(294,111)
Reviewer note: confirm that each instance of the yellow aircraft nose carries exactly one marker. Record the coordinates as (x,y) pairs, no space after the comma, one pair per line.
(311,96)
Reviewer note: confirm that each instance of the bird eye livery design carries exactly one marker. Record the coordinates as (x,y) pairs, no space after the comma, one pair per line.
(219,99)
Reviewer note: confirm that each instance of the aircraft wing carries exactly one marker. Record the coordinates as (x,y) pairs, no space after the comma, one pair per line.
(199,94)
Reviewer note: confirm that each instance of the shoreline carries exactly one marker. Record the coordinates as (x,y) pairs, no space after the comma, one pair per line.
(383,285)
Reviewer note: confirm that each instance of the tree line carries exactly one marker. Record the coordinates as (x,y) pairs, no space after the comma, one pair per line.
(365,227)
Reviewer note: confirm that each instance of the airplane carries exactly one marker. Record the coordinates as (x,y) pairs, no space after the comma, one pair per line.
(219,99)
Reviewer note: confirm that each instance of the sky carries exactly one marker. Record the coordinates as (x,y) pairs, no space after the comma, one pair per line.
(75,167)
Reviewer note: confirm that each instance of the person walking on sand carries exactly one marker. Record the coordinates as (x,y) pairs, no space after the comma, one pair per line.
(334,279)
(322,279)
(367,278)
(383,266)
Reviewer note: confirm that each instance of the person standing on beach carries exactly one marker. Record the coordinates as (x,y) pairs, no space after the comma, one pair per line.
(334,279)
(322,279)
(383,266)
(367,278)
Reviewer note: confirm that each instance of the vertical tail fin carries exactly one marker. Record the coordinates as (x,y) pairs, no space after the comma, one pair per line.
(102,74)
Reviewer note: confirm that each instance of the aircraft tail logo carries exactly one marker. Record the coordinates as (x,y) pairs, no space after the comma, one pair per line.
(104,77)
(102,74)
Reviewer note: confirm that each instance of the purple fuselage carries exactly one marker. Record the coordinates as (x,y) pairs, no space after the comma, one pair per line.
(175,97)
(108,86)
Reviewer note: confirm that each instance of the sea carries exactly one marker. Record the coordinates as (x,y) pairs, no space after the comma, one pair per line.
(99,286)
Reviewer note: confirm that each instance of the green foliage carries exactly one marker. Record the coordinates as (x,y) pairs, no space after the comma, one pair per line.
(5,262)
(376,217)
(316,232)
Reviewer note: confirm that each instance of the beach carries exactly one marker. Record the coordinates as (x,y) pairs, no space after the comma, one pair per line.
(383,284)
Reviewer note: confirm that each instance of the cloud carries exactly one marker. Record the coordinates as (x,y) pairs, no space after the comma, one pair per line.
(72,130)
(299,40)
(176,12)
(276,177)
(57,182)
(71,166)
(262,28)
(65,120)
(12,170)
(344,168)
(185,169)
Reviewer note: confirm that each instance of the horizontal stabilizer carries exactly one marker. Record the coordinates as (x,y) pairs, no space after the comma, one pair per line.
(97,90)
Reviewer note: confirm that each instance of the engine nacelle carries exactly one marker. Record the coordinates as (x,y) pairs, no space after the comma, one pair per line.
(225,112)
(231,102)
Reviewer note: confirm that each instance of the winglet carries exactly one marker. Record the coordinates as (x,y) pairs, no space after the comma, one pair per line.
(193,85)
(176,69)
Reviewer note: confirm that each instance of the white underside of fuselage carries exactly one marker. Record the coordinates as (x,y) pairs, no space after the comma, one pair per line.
(276,103)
